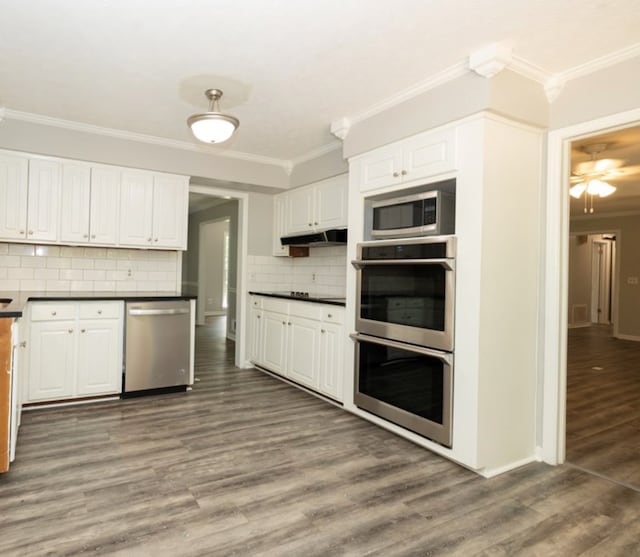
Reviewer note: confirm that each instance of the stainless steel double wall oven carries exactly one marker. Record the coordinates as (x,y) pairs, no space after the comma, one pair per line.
(404,340)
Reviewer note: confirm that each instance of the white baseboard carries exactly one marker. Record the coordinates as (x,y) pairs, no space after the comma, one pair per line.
(491,472)
(628,337)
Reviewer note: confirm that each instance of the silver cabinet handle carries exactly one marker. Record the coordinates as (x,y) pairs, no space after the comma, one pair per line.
(404,172)
(22,233)
(155,239)
(395,174)
(174,311)
(448,264)
(54,313)
(149,239)
(329,315)
(85,235)
(99,312)
(30,231)
(315,224)
(93,236)
(259,316)
(83,330)
(284,323)
(70,330)
(310,224)
(322,331)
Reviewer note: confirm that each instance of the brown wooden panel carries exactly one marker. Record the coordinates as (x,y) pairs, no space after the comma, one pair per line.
(5,391)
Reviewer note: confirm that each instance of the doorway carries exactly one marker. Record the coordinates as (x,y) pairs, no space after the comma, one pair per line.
(555,308)
(213,268)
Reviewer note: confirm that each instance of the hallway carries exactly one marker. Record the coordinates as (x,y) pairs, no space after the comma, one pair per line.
(603,404)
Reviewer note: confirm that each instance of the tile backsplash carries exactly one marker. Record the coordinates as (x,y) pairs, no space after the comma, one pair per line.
(62,268)
(323,272)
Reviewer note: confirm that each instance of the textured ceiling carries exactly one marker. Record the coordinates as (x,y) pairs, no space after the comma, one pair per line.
(288,68)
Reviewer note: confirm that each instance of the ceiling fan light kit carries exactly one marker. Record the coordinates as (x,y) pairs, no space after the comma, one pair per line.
(590,174)
(213,126)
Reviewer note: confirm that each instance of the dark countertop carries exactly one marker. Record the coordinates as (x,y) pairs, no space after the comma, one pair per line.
(315,298)
(17,300)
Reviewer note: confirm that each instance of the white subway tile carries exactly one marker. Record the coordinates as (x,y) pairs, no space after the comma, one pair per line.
(96,253)
(47,274)
(104,285)
(3,273)
(58,262)
(32,285)
(22,249)
(68,251)
(58,285)
(32,262)
(71,274)
(9,261)
(9,284)
(20,273)
(82,285)
(4,248)
(81,263)
(47,251)
(107,264)
(94,275)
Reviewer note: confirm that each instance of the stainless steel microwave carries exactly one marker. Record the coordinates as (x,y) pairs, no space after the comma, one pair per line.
(423,214)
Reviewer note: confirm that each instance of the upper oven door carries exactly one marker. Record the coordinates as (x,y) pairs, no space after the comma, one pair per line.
(408,300)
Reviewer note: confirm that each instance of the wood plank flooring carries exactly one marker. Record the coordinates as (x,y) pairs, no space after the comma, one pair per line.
(603,405)
(247,465)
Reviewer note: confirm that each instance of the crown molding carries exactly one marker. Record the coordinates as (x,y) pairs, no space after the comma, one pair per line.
(315,153)
(452,72)
(139,137)
(596,64)
(490,60)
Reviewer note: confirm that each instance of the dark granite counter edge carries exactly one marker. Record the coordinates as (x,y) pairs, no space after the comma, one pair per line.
(15,308)
(299,299)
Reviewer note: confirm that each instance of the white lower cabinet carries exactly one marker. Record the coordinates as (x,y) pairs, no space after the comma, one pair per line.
(302,341)
(74,350)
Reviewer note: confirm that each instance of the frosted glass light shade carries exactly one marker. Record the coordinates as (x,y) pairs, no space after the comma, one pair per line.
(212,127)
(577,190)
(600,188)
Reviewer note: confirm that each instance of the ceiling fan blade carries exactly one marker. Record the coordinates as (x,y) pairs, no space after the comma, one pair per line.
(603,165)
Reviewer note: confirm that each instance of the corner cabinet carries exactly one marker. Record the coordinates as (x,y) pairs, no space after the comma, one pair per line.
(302,341)
(416,158)
(74,350)
(153,210)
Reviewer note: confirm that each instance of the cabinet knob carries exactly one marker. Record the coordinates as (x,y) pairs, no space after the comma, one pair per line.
(322,331)
(93,236)
(395,174)
(149,239)
(258,316)
(31,232)
(329,315)
(310,224)
(23,344)
(70,330)
(315,224)
(83,330)
(99,312)
(289,323)
(284,323)
(404,172)
(85,235)
(54,313)
(22,233)
(155,239)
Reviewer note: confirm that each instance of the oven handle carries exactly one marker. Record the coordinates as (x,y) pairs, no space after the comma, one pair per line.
(442,356)
(448,264)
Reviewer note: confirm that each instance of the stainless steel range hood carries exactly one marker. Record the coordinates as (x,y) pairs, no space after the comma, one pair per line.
(331,237)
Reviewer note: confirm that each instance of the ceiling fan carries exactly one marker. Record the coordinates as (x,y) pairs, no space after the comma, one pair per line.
(589,177)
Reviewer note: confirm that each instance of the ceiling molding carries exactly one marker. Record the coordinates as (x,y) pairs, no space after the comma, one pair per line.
(531,71)
(490,60)
(616,57)
(139,137)
(315,153)
(452,72)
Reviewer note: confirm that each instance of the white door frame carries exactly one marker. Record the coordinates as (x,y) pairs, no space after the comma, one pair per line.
(555,279)
(243,221)
(200,309)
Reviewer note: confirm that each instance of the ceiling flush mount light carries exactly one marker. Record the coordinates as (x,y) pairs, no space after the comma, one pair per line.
(213,126)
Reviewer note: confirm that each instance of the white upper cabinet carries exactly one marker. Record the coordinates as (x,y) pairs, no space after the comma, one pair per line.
(279,224)
(153,210)
(43,200)
(14,172)
(89,204)
(318,206)
(416,158)
(170,208)
(62,201)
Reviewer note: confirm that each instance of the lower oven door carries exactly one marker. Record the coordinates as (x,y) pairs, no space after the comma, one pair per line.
(408,385)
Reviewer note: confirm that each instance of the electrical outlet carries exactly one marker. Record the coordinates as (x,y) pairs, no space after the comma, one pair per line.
(129,273)
(632,280)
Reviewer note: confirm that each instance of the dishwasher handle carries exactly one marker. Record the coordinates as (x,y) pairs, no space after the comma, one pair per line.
(173,311)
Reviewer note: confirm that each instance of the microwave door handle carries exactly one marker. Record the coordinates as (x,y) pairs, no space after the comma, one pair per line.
(442,356)
(448,264)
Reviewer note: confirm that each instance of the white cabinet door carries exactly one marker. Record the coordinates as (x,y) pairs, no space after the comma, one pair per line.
(170,199)
(76,199)
(302,356)
(43,201)
(331,361)
(14,173)
(380,168)
(300,210)
(331,203)
(105,190)
(428,155)
(136,209)
(279,224)
(255,342)
(51,360)
(274,338)
(99,362)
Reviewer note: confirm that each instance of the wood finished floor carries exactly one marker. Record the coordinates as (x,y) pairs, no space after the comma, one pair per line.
(603,405)
(247,465)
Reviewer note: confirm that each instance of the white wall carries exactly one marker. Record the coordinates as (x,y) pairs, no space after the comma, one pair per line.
(213,264)
(27,267)
(579,310)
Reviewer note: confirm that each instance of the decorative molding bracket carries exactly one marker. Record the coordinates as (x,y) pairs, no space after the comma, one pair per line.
(490,60)
(553,87)
(340,128)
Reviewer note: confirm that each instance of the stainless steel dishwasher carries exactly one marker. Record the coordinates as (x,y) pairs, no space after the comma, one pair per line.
(157,345)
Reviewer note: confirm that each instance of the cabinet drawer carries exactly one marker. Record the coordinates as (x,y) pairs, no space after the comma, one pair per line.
(333,315)
(256,302)
(275,304)
(307,310)
(53,311)
(100,310)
